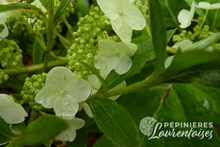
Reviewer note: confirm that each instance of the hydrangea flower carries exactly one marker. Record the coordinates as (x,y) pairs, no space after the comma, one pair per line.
(63,92)
(208,6)
(185,17)
(183,46)
(86,108)
(70,133)
(115,56)
(124,17)
(10,111)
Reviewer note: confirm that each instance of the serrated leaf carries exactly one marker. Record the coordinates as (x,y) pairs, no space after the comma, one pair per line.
(41,130)
(115,122)
(61,9)
(158,31)
(5,131)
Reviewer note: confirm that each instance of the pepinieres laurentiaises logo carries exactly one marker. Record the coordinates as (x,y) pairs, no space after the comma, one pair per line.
(156,130)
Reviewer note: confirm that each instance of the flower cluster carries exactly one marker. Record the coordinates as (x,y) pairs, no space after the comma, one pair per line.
(32,86)
(10,54)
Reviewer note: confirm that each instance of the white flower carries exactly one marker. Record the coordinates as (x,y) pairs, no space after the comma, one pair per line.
(185,17)
(124,17)
(115,56)
(183,46)
(70,133)
(208,6)
(96,84)
(63,92)
(10,111)
(4,32)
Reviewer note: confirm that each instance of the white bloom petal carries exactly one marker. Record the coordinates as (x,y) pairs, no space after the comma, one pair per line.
(109,8)
(106,44)
(134,16)
(11,112)
(79,89)
(124,65)
(65,106)
(87,109)
(208,6)
(122,29)
(185,17)
(47,95)
(4,32)
(126,48)
(119,86)
(70,133)
(168,61)
(95,83)
(62,75)
(183,45)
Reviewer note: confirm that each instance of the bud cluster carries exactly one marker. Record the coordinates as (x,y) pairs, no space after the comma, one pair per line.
(10,54)
(3,77)
(32,86)
(91,29)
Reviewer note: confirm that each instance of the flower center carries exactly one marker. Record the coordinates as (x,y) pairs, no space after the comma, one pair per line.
(121,12)
(62,92)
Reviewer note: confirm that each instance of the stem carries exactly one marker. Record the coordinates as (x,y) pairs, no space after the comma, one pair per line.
(33,68)
(50,34)
(150,81)
(203,21)
(64,40)
(69,27)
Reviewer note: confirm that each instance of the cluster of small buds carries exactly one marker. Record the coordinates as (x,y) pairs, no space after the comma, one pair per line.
(3,77)
(32,86)
(1,27)
(10,54)
(198,33)
(143,7)
(69,10)
(39,27)
(16,25)
(91,29)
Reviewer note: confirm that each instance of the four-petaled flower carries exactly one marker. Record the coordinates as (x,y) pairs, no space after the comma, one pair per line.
(11,112)
(63,92)
(124,17)
(115,56)
(208,6)
(185,17)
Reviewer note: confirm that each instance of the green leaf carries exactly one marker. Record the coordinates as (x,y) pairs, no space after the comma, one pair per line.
(158,31)
(61,9)
(45,3)
(41,130)
(104,141)
(144,53)
(82,6)
(5,132)
(176,103)
(115,122)
(38,52)
(183,63)
(16,6)
(80,140)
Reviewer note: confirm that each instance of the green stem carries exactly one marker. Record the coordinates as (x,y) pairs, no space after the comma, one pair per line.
(69,27)
(50,34)
(150,81)
(39,40)
(63,40)
(203,21)
(33,68)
